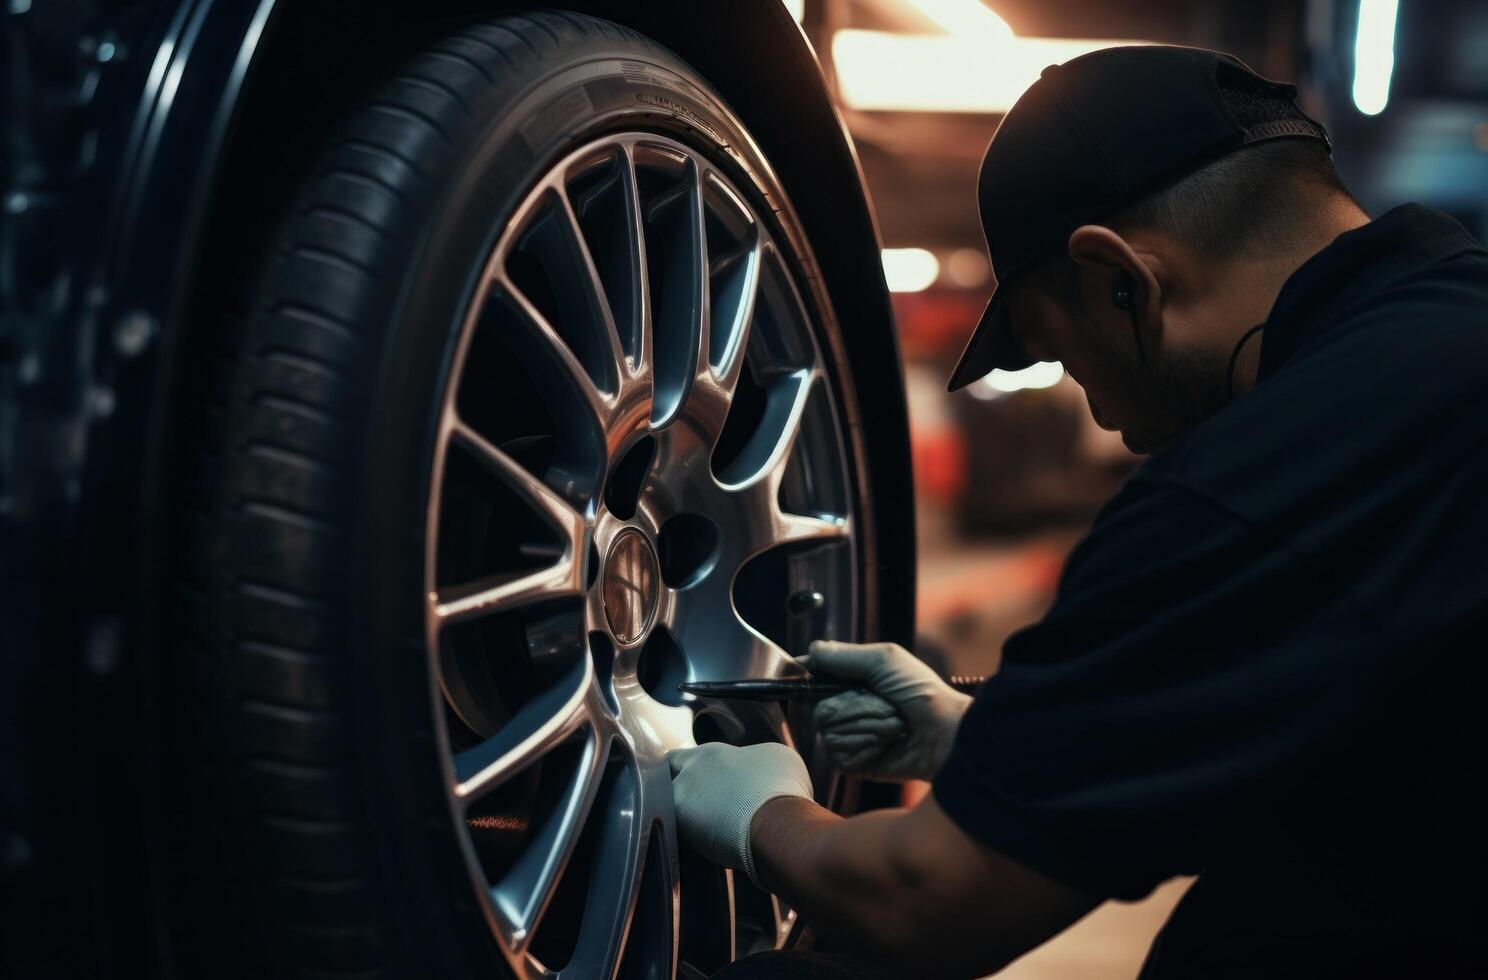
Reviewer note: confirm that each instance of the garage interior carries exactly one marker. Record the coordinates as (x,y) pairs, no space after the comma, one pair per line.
(110,456)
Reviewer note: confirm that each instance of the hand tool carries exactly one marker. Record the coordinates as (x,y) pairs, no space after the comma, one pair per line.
(792,688)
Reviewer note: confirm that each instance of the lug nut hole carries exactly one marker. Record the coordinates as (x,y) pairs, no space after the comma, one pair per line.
(687,548)
(662,667)
(623,490)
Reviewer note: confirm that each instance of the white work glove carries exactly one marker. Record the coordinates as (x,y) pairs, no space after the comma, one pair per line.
(717,789)
(901,726)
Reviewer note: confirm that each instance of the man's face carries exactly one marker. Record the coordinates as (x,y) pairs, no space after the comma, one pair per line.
(1152,398)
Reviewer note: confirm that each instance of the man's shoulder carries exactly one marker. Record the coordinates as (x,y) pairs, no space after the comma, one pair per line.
(1400,382)
(1400,343)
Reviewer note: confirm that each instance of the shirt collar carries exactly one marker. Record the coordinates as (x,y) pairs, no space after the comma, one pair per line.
(1355,265)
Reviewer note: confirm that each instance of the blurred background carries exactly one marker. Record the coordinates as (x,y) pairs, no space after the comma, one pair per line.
(1011,470)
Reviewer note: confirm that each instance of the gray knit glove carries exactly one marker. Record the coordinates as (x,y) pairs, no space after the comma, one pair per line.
(900,725)
(718,788)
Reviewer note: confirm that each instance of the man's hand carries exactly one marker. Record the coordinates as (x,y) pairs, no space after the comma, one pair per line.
(718,788)
(901,727)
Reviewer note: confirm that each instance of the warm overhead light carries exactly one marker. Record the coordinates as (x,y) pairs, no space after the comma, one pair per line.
(1374,55)
(1044,374)
(970,18)
(945,73)
(797,9)
(968,268)
(909,270)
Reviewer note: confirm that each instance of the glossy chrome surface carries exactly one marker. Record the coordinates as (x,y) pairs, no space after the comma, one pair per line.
(639,294)
(632,581)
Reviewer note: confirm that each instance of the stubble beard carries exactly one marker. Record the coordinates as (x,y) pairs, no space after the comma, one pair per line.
(1174,391)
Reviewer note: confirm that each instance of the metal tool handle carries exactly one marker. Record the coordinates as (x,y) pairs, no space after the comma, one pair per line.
(793,689)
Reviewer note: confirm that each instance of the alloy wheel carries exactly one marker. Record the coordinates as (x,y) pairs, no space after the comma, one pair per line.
(639,478)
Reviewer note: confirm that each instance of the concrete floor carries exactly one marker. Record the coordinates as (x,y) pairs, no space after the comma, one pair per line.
(1108,944)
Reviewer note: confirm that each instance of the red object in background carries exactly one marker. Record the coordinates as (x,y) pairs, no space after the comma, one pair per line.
(936,323)
(939,454)
(933,327)
(1022,576)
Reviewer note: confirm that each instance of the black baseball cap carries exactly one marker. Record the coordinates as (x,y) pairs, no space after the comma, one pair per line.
(1097,133)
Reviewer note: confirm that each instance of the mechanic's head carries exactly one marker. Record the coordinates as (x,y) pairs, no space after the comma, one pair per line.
(1143,287)
(1145,308)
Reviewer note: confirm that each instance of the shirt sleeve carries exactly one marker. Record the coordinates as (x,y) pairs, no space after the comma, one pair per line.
(1186,663)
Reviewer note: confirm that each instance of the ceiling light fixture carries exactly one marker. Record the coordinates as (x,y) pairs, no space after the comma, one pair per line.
(1374,55)
(910,270)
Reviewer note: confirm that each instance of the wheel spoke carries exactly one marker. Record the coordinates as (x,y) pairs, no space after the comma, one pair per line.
(570,369)
(607,912)
(765,458)
(673,880)
(592,285)
(765,657)
(680,316)
(732,361)
(795,528)
(622,851)
(538,727)
(501,593)
(563,516)
(795,410)
(713,389)
(522,896)
(498,593)
(702,319)
(636,231)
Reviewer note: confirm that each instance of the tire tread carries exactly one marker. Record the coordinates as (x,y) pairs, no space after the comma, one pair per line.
(268,660)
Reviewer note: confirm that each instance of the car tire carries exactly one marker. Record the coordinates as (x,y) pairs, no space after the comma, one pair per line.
(320,840)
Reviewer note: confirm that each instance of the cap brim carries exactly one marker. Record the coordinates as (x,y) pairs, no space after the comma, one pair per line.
(991,346)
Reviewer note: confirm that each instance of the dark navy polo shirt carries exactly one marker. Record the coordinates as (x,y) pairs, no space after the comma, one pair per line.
(1265,664)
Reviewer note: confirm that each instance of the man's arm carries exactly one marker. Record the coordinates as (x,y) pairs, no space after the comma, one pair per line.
(907,886)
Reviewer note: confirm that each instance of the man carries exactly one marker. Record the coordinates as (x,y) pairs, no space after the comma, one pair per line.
(1264,665)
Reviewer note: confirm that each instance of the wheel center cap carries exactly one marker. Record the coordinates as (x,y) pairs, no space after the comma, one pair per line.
(632,585)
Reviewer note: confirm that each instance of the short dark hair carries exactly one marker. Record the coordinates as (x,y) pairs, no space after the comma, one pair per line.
(1250,201)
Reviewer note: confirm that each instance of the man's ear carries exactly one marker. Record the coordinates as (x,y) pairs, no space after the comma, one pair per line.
(1104,257)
